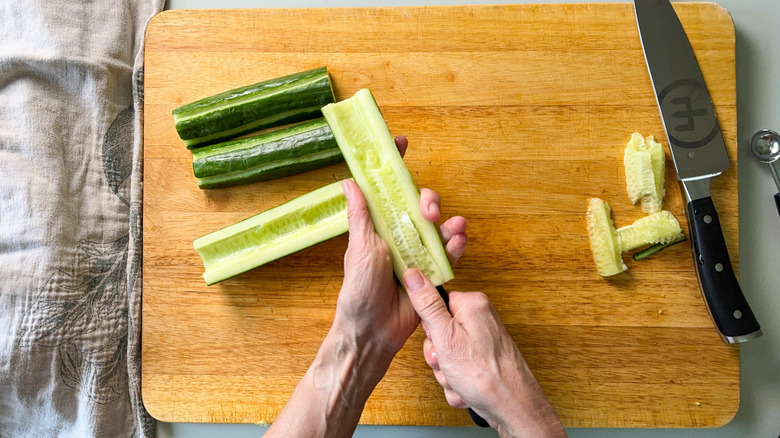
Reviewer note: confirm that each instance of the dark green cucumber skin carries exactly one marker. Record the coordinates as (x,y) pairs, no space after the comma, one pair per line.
(302,103)
(645,253)
(303,140)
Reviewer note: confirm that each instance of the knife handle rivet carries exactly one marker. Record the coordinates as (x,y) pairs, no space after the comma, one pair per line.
(707,219)
(719,267)
(737,314)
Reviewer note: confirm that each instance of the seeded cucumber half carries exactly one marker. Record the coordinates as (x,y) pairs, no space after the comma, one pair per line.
(275,102)
(309,145)
(295,225)
(392,198)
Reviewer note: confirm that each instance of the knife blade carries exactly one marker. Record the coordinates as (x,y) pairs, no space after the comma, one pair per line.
(699,154)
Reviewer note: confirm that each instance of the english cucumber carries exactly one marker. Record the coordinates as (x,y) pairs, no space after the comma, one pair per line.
(279,153)
(391,196)
(297,224)
(274,102)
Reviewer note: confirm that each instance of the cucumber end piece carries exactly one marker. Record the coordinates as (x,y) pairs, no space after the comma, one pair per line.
(603,238)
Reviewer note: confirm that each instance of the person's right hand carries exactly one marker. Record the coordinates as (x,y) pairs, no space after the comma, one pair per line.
(476,362)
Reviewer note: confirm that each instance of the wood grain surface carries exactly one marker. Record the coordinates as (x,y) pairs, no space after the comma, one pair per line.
(516,114)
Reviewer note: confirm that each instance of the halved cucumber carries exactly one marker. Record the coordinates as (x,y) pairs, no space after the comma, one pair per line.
(638,165)
(279,153)
(275,102)
(297,224)
(645,163)
(660,227)
(603,238)
(392,198)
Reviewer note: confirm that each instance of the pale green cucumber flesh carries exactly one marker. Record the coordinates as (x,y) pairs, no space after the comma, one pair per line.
(254,107)
(295,225)
(392,198)
(280,153)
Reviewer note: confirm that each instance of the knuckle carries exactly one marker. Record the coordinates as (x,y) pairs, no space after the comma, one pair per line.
(454,400)
(428,304)
(480,301)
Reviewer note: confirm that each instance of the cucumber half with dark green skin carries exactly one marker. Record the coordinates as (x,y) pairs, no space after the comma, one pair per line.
(307,146)
(391,196)
(282,230)
(275,102)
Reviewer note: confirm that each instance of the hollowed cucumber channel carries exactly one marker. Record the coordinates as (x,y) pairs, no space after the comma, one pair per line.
(295,225)
(391,196)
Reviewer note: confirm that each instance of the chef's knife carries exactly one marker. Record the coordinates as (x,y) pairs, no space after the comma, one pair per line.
(479,421)
(699,155)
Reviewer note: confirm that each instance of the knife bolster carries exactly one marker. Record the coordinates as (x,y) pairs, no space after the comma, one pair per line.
(693,190)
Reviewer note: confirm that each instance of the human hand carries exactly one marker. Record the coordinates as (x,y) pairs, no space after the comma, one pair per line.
(370,307)
(373,320)
(477,363)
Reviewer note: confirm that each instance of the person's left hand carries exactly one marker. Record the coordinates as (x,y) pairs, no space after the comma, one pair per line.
(372,308)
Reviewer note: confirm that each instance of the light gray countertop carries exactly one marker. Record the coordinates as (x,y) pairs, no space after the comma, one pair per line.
(758,102)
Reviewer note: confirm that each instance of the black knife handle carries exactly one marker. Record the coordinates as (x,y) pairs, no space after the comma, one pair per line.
(479,421)
(726,302)
(777,202)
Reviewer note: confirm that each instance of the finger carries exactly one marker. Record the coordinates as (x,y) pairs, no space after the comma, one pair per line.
(427,302)
(359,219)
(430,205)
(402,144)
(441,379)
(431,357)
(475,304)
(452,226)
(454,400)
(424,327)
(455,247)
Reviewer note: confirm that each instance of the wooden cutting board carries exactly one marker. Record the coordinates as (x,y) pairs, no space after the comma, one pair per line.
(516,114)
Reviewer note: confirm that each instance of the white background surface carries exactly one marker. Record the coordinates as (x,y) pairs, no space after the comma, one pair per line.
(757,24)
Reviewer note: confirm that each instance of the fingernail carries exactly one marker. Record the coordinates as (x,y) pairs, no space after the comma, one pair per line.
(413,280)
(433,209)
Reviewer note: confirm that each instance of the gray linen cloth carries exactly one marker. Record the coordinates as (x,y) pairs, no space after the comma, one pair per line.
(70,203)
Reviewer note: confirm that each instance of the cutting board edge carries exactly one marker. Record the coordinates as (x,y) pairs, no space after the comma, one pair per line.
(737,404)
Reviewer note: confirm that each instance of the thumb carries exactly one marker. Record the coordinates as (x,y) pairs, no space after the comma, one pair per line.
(426,301)
(359,219)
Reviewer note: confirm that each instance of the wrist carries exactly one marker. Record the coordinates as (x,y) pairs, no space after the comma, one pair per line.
(352,366)
(524,410)
(364,337)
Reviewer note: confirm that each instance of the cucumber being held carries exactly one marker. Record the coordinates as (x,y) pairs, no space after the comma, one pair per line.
(391,196)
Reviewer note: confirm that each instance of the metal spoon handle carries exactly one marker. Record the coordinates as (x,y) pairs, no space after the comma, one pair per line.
(773,170)
(777,202)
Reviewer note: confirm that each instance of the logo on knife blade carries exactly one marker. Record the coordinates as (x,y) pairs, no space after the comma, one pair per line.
(689,113)
(685,107)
